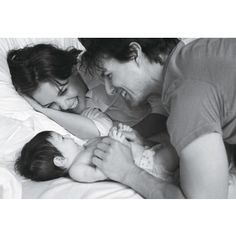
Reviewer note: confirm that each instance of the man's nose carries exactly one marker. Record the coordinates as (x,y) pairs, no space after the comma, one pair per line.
(110,89)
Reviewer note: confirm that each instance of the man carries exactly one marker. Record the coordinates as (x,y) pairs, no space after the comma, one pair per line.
(197,84)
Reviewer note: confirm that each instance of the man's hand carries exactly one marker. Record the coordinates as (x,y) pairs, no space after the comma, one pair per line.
(114,159)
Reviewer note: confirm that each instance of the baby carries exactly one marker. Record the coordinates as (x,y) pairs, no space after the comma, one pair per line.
(50,155)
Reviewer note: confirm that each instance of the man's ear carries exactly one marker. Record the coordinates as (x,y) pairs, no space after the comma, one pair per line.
(135,52)
(59,161)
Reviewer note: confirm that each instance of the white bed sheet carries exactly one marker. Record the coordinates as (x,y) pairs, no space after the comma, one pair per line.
(19,123)
(64,188)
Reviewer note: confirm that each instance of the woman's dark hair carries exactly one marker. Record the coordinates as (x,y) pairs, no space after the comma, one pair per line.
(119,48)
(36,159)
(31,65)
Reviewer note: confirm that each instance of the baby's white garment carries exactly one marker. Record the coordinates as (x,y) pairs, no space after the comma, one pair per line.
(145,158)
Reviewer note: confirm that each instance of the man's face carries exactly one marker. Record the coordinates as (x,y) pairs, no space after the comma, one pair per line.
(127,78)
(62,95)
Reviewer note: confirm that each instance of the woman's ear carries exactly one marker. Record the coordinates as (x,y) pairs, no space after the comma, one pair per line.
(135,52)
(59,161)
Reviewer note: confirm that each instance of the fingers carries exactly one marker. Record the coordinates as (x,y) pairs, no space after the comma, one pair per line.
(124,127)
(129,135)
(97,162)
(103,146)
(108,140)
(99,154)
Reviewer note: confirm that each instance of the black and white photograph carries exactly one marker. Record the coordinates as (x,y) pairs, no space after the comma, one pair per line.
(117,117)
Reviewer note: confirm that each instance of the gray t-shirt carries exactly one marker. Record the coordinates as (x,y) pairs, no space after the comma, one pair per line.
(199,91)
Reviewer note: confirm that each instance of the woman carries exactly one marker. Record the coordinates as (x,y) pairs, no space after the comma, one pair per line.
(49,78)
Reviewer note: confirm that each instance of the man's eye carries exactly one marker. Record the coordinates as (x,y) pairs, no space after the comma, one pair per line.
(108,76)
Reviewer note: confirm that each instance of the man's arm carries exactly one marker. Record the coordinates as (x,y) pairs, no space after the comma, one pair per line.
(116,161)
(204,168)
(151,187)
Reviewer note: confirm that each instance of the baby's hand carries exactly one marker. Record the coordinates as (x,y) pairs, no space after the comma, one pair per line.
(118,135)
(130,134)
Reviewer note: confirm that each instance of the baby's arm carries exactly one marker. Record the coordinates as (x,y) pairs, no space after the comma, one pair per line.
(85,173)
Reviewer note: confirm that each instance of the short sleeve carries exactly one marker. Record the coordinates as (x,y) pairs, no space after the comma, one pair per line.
(101,120)
(156,105)
(194,111)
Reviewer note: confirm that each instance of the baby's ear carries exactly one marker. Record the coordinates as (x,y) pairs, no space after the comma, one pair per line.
(59,161)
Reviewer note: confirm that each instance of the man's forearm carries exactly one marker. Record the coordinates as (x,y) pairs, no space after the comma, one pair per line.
(151,187)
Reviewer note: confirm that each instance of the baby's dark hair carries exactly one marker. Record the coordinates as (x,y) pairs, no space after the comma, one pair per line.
(119,48)
(32,65)
(36,159)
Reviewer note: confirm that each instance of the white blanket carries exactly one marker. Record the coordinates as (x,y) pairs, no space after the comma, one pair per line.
(10,187)
(19,123)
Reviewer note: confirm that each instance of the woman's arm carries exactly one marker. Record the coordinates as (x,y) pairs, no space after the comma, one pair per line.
(80,126)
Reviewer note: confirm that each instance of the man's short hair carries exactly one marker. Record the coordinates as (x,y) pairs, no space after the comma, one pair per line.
(119,48)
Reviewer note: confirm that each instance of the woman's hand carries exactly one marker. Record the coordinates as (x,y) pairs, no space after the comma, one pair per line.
(91,113)
(34,104)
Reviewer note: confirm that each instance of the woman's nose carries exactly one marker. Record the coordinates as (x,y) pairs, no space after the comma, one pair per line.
(63,103)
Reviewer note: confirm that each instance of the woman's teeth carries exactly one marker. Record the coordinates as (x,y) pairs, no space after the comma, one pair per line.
(75,103)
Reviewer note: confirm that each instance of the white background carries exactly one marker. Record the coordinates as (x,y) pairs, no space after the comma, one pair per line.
(121,18)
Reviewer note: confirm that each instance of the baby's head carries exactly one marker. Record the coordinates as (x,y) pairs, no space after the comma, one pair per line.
(48,155)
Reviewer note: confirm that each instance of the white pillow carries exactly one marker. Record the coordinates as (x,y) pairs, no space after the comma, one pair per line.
(18,121)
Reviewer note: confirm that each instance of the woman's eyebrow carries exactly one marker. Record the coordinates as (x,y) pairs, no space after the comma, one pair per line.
(61,83)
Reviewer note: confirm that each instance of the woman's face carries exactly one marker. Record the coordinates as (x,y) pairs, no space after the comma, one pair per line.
(62,95)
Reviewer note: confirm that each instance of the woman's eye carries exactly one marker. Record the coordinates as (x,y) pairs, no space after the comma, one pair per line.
(53,106)
(62,91)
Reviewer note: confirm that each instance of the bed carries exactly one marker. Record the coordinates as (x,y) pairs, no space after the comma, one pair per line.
(19,123)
